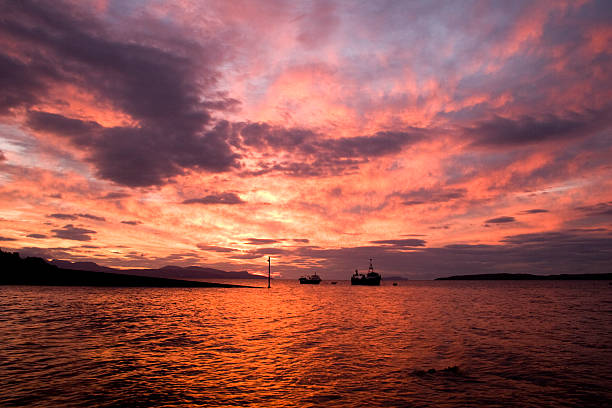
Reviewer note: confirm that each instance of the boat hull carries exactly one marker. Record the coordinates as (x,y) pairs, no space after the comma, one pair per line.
(365,281)
(305,281)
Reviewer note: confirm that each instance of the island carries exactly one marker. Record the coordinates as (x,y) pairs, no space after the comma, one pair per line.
(36,271)
(527,276)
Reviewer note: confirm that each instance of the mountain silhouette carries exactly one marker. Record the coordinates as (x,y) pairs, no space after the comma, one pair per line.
(15,270)
(170,271)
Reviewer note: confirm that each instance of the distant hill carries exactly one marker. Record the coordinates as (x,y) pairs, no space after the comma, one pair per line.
(82,266)
(15,270)
(172,272)
(527,276)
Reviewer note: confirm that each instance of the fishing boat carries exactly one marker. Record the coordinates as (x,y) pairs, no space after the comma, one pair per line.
(370,279)
(310,279)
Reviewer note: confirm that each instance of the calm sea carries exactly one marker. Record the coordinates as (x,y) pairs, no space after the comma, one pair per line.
(523,344)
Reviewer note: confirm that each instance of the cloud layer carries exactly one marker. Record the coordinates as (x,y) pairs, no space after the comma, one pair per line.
(432,137)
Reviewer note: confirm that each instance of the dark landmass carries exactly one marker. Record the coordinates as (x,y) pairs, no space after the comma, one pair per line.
(527,276)
(36,271)
(171,272)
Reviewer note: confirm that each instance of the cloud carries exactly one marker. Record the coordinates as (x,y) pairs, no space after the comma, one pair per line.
(534,211)
(317,24)
(131,222)
(262,241)
(600,209)
(214,248)
(246,255)
(63,216)
(220,198)
(160,87)
(401,243)
(21,85)
(500,220)
(538,253)
(92,217)
(314,154)
(114,196)
(500,132)
(140,156)
(38,236)
(7,239)
(261,252)
(71,232)
(429,195)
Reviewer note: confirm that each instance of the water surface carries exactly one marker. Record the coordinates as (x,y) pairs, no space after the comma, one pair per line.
(513,343)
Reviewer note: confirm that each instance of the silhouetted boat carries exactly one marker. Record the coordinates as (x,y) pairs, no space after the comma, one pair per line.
(310,279)
(370,279)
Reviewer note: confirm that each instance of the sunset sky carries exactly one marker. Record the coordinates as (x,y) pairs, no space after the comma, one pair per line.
(438,138)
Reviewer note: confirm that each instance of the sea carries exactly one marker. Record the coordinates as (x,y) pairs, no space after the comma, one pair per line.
(417,344)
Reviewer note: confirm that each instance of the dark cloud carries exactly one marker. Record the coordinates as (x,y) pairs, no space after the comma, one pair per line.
(74,233)
(260,252)
(92,217)
(262,241)
(21,85)
(246,255)
(500,220)
(220,198)
(270,251)
(140,156)
(430,195)
(131,222)
(38,236)
(223,104)
(401,243)
(2,156)
(114,196)
(534,211)
(543,253)
(7,239)
(436,227)
(539,237)
(316,154)
(63,216)
(499,131)
(301,240)
(599,209)
(159,83)
(214,248)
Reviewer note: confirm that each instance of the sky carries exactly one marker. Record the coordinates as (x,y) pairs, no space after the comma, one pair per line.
(437,137)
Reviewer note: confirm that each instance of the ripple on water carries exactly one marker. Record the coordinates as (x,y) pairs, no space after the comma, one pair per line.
(531,343)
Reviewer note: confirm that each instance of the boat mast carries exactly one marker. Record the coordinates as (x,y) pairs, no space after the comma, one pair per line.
(268,272)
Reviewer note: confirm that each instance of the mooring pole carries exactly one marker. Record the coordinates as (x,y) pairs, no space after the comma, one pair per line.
(268,272)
